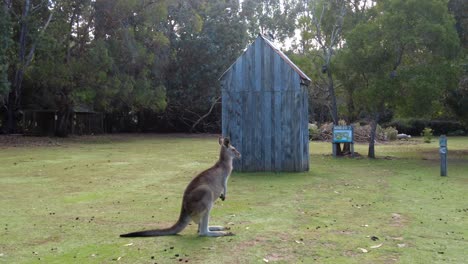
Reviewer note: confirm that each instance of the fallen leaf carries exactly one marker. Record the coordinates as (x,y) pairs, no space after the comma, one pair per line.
(265,260)
(376,246)
(119,258)
(363,250)
(401,245)
(299,242)
(129,244)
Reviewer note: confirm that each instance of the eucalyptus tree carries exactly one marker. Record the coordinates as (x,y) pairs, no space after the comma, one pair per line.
(29,21)
(130,52)
(321,24)
(400,57)
(457,100)
(272,18)
(205,38)
(54,77)
(5,44)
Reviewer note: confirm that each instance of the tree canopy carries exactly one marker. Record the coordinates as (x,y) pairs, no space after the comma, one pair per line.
(154,65)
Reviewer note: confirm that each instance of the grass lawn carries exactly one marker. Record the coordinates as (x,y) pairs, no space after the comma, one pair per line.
(67,201)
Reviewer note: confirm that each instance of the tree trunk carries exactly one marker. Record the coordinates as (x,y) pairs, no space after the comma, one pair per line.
(346,148)
(333,107)
(24,59)
(371,153)
(331,91)
(351,107)
(13,96)
(62,123)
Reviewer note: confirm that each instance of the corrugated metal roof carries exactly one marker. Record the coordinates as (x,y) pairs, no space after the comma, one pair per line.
(303,76)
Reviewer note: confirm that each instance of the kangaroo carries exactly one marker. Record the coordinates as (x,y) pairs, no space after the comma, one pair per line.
(199,197)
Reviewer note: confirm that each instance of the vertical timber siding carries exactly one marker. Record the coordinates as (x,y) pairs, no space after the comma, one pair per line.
(265,111)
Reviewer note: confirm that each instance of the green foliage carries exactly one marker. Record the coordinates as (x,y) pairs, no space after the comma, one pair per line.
(128,57)
(5,43)
(427,134)
(457,100)
(459,9)
(270,17)
(314,132)
(391,133)
(399,59)
(415,126)
(402,51)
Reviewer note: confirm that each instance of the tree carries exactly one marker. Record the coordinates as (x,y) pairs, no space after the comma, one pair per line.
(405,41)
(205,38)
(32,22)
(272,18)
(129,55)
(457,100)
(5,44)
(53,74)
(322,25)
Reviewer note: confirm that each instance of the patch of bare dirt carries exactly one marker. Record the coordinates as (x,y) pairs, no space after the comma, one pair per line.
(350,253)
(272,257)
(398,220)
(12,141)
(391,259)
(453,155)
(250,243)
(345,232)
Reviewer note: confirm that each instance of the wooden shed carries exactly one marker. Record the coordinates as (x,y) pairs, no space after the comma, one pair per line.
(265,110)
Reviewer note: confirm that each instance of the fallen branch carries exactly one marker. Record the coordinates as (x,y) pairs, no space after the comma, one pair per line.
(215,102)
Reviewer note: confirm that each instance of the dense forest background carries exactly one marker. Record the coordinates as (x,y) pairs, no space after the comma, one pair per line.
(153,65)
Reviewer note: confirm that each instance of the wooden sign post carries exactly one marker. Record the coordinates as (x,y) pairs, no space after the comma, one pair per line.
(342,134)
(443,155)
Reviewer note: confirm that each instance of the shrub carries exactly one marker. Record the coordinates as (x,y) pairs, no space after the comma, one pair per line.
(427,134)
(416,126)
(456,133)
(391,133)
(314,132)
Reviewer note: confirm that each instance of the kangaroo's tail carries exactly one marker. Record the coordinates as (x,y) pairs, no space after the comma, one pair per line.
(184,220)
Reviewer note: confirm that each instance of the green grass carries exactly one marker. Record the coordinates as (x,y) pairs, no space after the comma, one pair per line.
(68,203)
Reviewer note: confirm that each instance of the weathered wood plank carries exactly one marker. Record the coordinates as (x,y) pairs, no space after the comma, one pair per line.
(278,131)
(236,124)
(225,117)
(277,73)
(296,126)
(264,111)
(305,129)
(267,130)
(259,131)
(258,65)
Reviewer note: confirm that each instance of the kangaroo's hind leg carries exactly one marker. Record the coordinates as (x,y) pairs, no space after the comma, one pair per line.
(211,231)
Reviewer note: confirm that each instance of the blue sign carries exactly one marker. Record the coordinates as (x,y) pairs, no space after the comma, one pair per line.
(343,134)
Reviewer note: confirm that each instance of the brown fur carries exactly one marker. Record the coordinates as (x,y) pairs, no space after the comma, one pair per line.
(200,195)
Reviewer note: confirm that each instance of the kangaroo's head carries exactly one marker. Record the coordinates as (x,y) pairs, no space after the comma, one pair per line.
(228,149)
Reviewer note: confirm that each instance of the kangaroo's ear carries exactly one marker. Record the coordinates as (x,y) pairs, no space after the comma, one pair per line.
(226,142)
(220,140)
